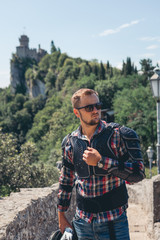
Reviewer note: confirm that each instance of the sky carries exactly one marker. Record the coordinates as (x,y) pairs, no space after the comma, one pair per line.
(106,30)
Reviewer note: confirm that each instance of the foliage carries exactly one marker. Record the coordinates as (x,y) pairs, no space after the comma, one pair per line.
(106,90)
(128,67)
(146,65)
(153,170)
(86,81)
(19,169)
(136,109)
(101,71)
(53,47)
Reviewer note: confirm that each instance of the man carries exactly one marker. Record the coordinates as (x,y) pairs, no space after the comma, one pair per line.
(95,159)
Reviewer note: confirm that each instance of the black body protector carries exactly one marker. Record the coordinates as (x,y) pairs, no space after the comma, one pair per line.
(102,143)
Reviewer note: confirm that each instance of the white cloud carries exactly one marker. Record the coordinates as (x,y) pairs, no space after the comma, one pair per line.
(151,47)
(109,32)
(147,55)
(118,29)
(149,39)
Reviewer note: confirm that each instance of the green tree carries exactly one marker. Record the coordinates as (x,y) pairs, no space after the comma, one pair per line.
(44,64)
(53,62)
(95,68)
(101,72)
(86,81)
(146,65)
(106,89)
(62,59)
(50,80)
(137,109)
(85,69)
(19,169)
(108,65)
(127,68)
(53,48)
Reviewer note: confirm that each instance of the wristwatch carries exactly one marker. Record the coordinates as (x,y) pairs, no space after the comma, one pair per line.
(100,163)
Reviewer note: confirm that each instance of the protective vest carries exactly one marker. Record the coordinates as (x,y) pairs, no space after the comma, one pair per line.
(102,143)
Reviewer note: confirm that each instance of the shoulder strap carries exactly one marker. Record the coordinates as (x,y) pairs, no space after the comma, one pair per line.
(65,139)
(63,145)
(114,125)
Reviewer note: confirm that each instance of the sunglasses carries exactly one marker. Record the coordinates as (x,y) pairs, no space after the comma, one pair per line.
(90,108)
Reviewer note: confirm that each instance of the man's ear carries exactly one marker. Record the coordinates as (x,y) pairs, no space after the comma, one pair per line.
(76,112)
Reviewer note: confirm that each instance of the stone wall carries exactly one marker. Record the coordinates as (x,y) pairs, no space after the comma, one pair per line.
(147,193)
(31,214)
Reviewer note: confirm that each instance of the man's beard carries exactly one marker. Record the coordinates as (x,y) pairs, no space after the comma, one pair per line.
(92,122)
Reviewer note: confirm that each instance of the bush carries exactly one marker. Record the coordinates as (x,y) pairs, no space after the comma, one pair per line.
(20,169)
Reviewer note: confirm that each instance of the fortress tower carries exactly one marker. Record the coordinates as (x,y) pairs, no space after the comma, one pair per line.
(16,69)
(23,50)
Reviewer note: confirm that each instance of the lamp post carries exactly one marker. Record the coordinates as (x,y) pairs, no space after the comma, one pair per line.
(155,84)
(150,157)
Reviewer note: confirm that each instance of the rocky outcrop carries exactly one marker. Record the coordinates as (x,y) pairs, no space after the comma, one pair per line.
(37,89)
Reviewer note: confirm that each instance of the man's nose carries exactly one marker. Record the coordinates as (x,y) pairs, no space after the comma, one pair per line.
(95,109)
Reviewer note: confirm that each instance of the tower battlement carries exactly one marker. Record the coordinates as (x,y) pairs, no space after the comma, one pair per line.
(23,51)
(17,77)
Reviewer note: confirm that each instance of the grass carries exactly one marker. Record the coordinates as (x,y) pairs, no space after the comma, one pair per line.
(154,171)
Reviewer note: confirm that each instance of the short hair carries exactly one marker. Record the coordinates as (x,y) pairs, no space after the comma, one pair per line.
(76,98)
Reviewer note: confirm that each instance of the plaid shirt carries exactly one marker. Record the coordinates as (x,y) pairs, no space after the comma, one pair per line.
(94,185)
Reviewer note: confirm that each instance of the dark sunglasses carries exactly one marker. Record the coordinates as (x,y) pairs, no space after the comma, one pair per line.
(90,108)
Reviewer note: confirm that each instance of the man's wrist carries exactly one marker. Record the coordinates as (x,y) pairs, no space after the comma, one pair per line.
(100,163)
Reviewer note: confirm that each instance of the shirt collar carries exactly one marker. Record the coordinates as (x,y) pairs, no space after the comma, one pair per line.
(102,124)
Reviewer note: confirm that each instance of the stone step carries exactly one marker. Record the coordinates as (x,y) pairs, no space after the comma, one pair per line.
(137,219)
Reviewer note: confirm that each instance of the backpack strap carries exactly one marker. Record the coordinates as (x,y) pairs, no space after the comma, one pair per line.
(64,161)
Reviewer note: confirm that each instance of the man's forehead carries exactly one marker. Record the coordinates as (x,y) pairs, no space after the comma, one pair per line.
(88,98)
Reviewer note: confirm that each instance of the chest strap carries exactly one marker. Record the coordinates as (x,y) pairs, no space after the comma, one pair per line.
(111,200)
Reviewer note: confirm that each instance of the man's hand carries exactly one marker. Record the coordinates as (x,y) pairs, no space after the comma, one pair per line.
(91,156)
(63,222)
(68,234)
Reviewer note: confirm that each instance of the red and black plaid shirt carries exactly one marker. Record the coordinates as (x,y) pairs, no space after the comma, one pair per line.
(94,185)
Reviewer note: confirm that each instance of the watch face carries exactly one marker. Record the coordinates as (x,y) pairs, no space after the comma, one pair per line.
(100,165)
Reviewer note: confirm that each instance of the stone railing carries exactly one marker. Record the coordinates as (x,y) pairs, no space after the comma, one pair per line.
(147,193)
(31,214)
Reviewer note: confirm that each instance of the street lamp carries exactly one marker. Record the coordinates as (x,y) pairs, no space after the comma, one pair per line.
(150,157)
(155,84)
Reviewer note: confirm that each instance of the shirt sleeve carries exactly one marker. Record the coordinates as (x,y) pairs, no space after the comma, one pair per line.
(67,179)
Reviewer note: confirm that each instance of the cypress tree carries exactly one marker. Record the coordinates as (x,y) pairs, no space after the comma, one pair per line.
(111,72)
(53,48)
(128,66)
(102,71)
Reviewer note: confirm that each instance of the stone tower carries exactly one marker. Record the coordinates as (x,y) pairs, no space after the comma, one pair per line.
(16,69)
(24,41)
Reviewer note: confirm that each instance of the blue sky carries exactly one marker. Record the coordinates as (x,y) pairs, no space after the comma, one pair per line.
(90,29)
